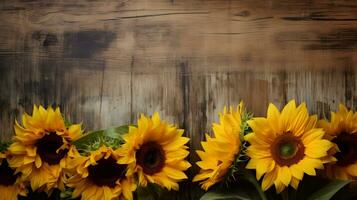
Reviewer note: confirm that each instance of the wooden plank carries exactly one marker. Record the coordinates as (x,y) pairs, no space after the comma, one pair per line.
(322,33)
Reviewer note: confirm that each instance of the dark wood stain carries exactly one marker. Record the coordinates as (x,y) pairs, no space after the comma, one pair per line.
(317,16)
(185,88)
(85,44)
(163,14)
(339,39)
(350,87)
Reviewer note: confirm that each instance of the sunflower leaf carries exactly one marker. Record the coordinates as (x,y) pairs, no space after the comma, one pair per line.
(249,176)
(114,135)
(222,195)
(348,193)
(4,146)
(329,190)
(116,132)
(241,190)
(245,187)
(150,192)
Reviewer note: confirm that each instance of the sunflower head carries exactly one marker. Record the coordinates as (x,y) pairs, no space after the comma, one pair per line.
(10,183)
(342,131)
(99,176)
(40,147)
(222,151)
(285,145)
(156,152)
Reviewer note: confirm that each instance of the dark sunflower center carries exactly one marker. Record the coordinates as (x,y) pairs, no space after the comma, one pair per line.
(287,149)
(47,148)
(347,143)
(106,172)
(7,176)
(151,157)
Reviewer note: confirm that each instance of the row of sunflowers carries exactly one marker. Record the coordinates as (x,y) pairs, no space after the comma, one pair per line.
(50,156)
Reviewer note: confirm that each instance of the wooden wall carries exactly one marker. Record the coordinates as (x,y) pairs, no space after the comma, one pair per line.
(104,62)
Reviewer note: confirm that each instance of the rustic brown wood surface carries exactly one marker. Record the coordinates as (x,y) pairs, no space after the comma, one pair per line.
(104,62)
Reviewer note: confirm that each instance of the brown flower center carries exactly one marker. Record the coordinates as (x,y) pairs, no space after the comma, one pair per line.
(47,148)
(7,176)
(287,149)
(347,143)
(106,172)
(151,157)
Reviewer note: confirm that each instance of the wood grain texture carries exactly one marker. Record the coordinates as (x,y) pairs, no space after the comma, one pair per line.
(105,62)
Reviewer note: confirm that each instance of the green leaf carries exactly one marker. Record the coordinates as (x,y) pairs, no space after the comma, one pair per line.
(225,195)
(249,176)
(329,190)
(112,133)
(4,146)
(246,187)
(347,193)
(150,192)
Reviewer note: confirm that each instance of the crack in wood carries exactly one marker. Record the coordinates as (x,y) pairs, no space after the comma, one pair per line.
(255,19)
(156,15)
(316,16)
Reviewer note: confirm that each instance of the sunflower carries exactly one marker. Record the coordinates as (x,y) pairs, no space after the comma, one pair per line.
(221,151)
(156,152)
(286,145)
(10,183)
(342,131)
(98,176)
(40,148)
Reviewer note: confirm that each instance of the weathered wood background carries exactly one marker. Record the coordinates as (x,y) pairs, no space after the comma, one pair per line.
(104,62)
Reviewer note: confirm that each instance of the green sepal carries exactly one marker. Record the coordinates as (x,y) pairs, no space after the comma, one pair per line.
(245,128)
(241,158)
(66,194)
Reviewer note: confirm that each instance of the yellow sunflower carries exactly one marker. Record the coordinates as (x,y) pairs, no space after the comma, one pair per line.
(342,130)
(10,183)
(156,151)
(286,145)
(40,148)
(98,176)
(221,151)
